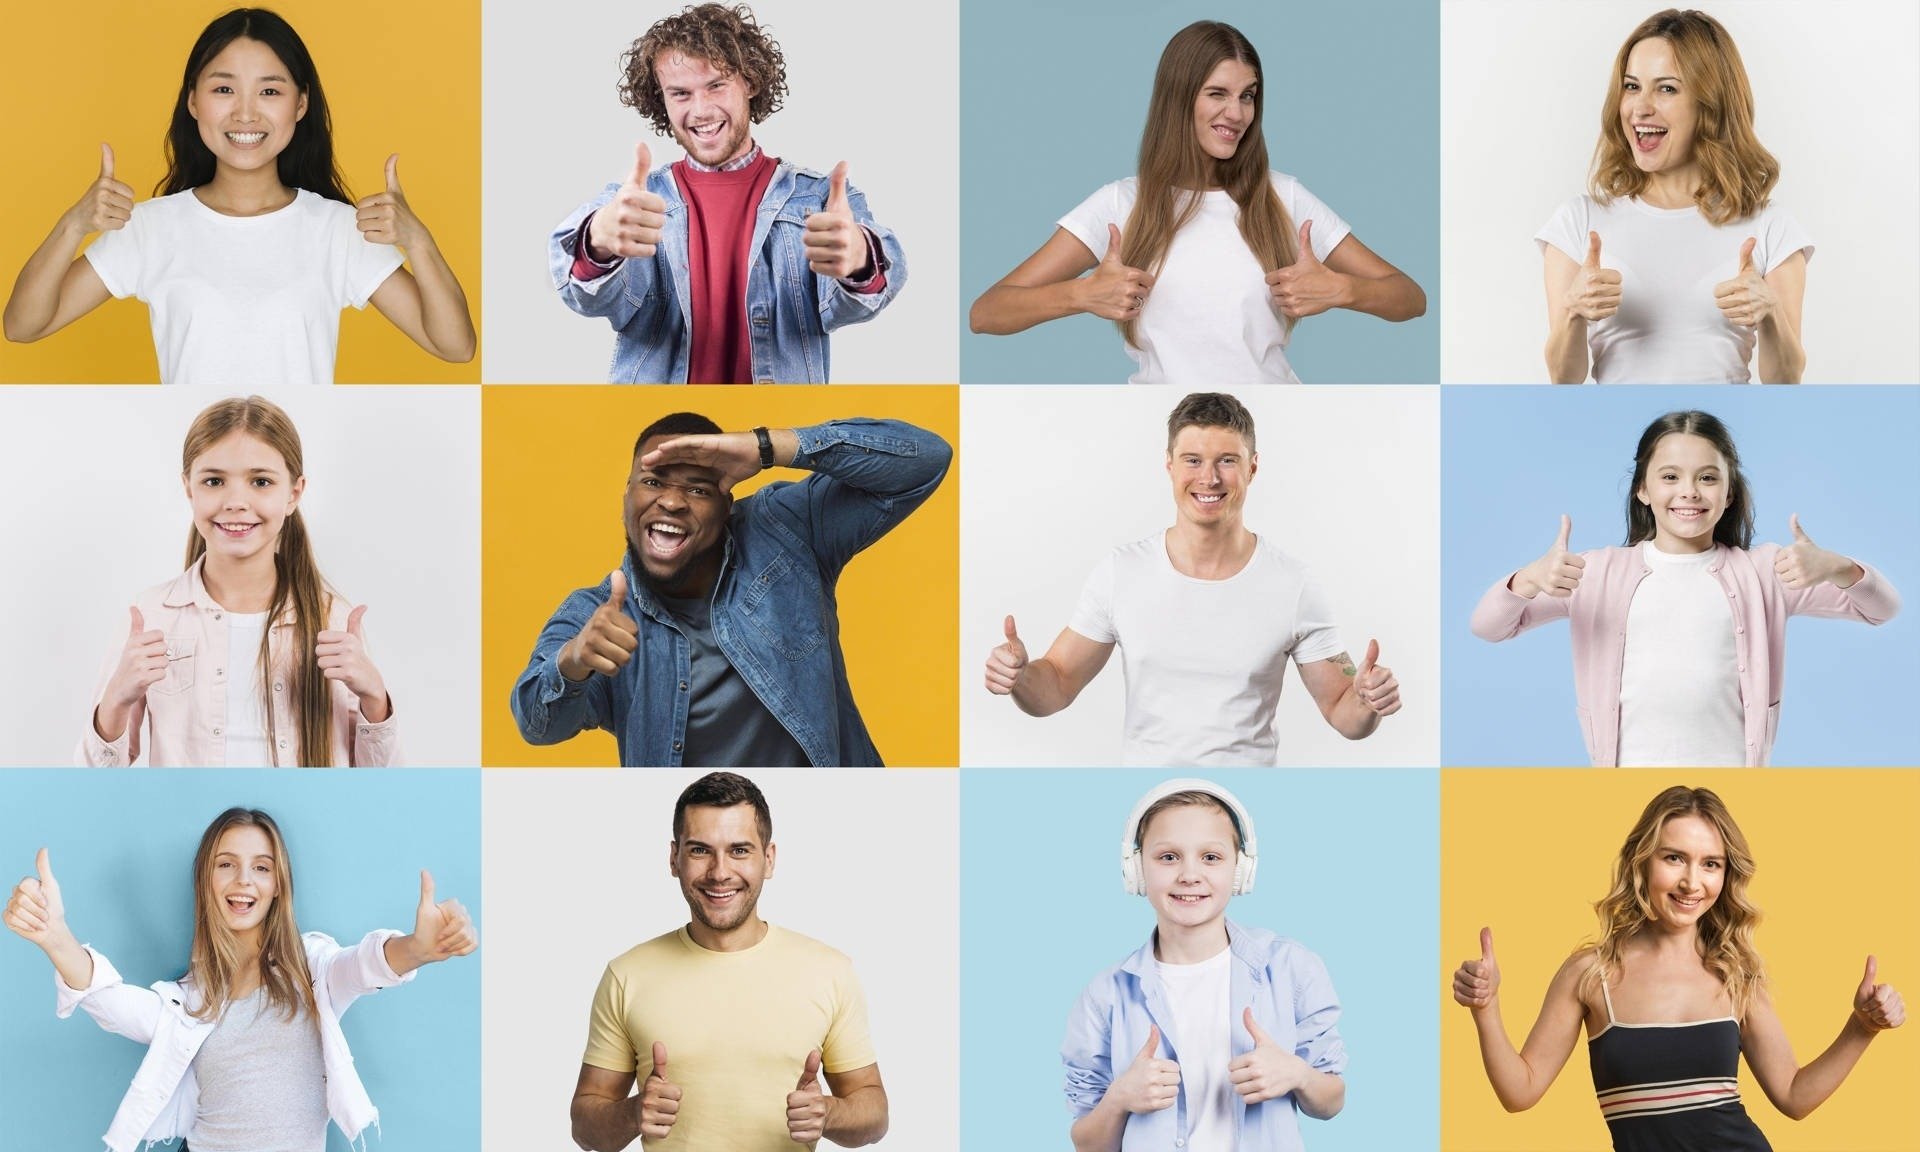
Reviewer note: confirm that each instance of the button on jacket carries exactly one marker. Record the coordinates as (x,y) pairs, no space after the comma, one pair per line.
(186,713)
(774,610)
(165,1096)
(790,310)
(1292,1000)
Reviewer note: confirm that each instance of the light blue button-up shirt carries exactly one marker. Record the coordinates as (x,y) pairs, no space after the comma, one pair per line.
(1292,999)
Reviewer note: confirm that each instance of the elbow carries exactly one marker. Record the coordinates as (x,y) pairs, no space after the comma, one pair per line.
(980,318)
(19,333)
(1416,301)
(1516,1103)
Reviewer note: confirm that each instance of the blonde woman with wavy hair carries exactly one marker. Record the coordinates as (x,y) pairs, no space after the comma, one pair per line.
(246,1052)
(1676,265)
(1205,258)
(1672,994)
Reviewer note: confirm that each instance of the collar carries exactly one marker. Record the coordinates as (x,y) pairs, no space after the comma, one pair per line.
(189,590)
(1239,942)
(753,154)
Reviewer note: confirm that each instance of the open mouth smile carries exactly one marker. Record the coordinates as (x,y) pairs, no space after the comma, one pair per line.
(666,539)
(1647,137)
(233,530)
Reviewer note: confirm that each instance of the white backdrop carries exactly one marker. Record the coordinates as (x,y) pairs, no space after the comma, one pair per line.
(95,513)
(576,874)
(1053,478)
(1837,101)
(876,85)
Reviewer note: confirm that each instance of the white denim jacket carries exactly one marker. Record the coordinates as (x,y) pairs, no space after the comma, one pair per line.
(165,1097)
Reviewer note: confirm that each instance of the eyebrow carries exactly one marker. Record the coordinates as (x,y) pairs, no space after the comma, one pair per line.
(1670,850)
(236,855)
(1656,79)
(236,76)
(250,471)
(735,844)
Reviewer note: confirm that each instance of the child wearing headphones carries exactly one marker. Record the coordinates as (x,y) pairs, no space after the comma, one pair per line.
(1213,1036)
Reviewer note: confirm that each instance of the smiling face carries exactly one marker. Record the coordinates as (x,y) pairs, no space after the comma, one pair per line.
(1686,488)
(1687,871)
(241,496)
(1187,855)
(676,518)
(1210,468)
(243,880)
(721,864)
(1224,111)
(246,105)
(1657,113)
(706,107)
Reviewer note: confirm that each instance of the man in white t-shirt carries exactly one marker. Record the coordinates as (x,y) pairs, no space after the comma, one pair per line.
(1206,615)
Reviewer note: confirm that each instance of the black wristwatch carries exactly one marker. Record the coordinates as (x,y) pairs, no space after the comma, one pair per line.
(766,447)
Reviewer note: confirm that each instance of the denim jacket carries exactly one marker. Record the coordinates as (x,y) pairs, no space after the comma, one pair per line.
(789,309)
(1292,999)
(773,607)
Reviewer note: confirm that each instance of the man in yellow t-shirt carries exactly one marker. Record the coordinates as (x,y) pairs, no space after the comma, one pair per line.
(730,1022)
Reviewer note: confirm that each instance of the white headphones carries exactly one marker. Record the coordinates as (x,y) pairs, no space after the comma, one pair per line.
(1244,862)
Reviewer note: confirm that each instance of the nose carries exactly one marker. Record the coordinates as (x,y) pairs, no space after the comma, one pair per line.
(1640,103)
(671,498)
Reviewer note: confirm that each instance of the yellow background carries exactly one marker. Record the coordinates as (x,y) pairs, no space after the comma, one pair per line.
(554,465)
(399,78)
(1528,851)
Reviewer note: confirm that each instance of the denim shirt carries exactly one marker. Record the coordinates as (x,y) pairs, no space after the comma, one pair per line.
(789,309)
(1292,1000)
(774,614)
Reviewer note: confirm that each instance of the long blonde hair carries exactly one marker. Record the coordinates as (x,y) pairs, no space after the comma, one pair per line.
(1175,171)
(216,954)
(297,582)
(1737,174)
(1726,930)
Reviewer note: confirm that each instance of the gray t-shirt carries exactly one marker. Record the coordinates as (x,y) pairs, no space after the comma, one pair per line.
(727,725)
(263,1084)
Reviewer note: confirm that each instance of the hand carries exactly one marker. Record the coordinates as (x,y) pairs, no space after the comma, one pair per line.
(107,205)
(1149,1084)
(1477,982)
(1269,1071)
(35,911)
(1804,564)
(734,455)
(807,1105)
(143,663)
(607,642)
(836,244)
(1746,299)
(1307,287)
(631,222)
(1005,662)
(441,931)
(659,1099)
(343,656)
(1557,573)
(1375,685)
(1594,293)
(1114,291)
(1876,1006)
(384,217)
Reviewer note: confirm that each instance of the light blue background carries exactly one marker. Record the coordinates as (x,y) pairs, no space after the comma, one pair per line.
(1349,867)
(122,848)
(1054,97)
(1513,459)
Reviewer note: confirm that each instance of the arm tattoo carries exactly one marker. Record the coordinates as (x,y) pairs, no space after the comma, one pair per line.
(1346,664)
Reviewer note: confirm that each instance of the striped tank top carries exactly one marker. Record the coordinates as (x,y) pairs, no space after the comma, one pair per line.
(1672,1087)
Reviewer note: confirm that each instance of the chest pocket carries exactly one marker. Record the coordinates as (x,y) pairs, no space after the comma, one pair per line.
(180,667)
(782,608)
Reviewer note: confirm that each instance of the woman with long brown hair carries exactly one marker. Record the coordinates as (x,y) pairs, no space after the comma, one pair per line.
(248,658)
(1672,994)
(1205,258)
(1676,265)
(246,1052)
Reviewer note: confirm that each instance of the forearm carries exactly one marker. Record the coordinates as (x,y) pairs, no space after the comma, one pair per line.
(73,962)
(603,1125)
(36,291)
(857,1119)
(887,459)
(406,953)
(1820,1079)
(1101,1129)
(1005,309)
(1782,358)
(110,720)
(1351,717)
(1567,350)
(1322,1096)
(1513,1079)
(1040,689)
(444,316)
(1392,297)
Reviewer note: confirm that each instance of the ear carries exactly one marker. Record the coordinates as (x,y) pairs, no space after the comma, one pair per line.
(673,858)
(192,109)
(300,109)
(770,855)
(299,489)
(186,487)
(1253,465)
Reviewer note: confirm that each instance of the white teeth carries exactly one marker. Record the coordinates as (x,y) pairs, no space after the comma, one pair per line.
(246,137)
(1205,499)
(670,529)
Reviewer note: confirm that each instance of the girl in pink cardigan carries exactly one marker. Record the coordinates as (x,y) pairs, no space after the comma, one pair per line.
(1680,637)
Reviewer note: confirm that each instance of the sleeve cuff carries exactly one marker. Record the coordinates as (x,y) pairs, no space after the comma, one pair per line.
(67,999)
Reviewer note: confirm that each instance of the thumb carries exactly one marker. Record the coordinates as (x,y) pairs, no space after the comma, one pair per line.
(1746,256)
(1593,249)
(837,189)
(1152,1045)
(43,867)
(1799,534)
(1260,1038)
(1866,982)
(426,888)
(1306,255)
(618,582)
(660,1059)
(393,174)
(642,164)
(810,1073)
(1113,245)
(1486,945)
(1367,662)
(106,161)
(353,621)
(1013,634)
(1566,532)
(138,622)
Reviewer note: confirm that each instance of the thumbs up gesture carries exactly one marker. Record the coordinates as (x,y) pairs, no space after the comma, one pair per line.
(836,244)
(343,656)
(35,911)
(1374,683)
(441,930)
(1477,982)
(1113,291)
(1557,573)
(143,663)
(1005,661)
(384,218)
(1307,287)
(1804,564)
(1594,293)
(659,1098)
(1149,1084)
(629,225)
(1746,299)
(1267,1072)
(1877,1006)
(609,639)
(107,204)
(807,1105)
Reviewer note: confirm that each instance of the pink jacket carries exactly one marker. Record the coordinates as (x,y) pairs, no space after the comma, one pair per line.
(1760,603)
(186,713)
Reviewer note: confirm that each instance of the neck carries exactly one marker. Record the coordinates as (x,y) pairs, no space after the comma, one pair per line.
(1210,552)
(241,585)
(1675,546)
(1175,944)
(739,938)
(1672,188)
(233,192)
(1668,940)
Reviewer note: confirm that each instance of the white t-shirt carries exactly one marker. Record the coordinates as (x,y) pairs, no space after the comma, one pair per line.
(243,301)
(1209,320)
(1669,329)
(1680,682)
(1201,1033)
(1204,659)
(246,737)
